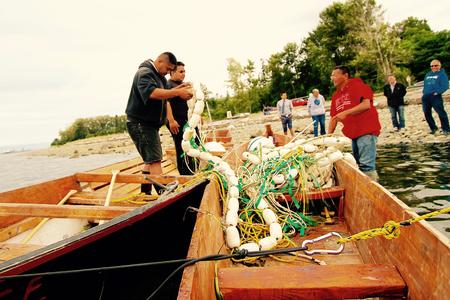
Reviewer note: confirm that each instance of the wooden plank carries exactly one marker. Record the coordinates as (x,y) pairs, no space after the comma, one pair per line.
(64,211)
(96,198)
(198,280)
(17,228)
(49,192)
(311,282)
(122,178)
(9,251)
(131,166)
(122,166)
(45,220)
(421,253)
(327,193)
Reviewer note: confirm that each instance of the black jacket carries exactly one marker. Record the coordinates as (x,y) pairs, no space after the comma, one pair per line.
(395,98)
(140,107)
(178,105)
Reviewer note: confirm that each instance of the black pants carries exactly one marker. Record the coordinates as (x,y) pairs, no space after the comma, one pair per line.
(183,167)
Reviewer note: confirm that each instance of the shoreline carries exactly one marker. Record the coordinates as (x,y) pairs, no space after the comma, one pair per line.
(243,128)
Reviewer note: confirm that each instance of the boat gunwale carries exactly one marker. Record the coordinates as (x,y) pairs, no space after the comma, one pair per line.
(39,256)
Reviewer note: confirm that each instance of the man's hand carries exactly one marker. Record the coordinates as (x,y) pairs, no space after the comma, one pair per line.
(332,125)
(174,126)
(185,93)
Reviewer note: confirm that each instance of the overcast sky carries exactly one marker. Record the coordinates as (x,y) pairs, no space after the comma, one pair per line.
(63,60)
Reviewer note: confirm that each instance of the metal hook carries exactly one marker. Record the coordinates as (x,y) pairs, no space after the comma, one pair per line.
(323,251)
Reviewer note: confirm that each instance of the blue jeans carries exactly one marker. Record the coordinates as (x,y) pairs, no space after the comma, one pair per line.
(319,119)
(436,102)
(286,122)
(400,121)
(365,152)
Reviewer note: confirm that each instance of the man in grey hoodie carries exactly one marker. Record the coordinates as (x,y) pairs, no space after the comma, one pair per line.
(434,85)
(146,110)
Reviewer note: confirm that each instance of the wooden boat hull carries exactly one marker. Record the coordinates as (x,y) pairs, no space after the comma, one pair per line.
(158,231)
(413,266)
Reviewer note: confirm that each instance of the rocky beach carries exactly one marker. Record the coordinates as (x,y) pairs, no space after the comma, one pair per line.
(244,126)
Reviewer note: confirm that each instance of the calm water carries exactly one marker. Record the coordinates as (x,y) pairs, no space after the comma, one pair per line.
(419,175)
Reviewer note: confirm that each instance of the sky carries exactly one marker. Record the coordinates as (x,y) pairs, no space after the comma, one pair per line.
(63,60)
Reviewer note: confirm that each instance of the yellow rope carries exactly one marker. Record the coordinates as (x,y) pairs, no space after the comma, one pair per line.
(131,198)
(391,229)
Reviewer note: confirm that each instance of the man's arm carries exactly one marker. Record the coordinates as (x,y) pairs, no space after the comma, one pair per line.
(363,106)
(442,85)
(173,124)
(184,93)
(402,90)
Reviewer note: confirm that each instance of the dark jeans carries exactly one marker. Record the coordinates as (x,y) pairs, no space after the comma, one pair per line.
(436,102)
(319,119)
(286,122)
(398,122)
(185,163)
(146,139)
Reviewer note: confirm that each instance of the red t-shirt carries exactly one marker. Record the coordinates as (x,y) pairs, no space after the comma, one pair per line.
(351,95)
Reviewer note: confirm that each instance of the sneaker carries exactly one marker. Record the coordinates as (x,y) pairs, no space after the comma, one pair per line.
(445,133)
(433,131)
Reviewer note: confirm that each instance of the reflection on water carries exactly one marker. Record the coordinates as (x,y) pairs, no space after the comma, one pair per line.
(419,175)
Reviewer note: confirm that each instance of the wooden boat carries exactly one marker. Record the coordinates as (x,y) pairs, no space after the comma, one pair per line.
(413,266)
(131,234)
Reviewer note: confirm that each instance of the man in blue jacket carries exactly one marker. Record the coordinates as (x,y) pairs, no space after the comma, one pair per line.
(434,85)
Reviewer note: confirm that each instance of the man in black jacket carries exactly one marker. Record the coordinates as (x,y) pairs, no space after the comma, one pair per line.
(395,92)
(177,117)
(146,110)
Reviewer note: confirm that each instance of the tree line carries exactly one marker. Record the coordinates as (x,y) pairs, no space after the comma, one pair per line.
(351,33)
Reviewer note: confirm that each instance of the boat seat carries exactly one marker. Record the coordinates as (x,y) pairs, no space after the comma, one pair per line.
(324,194)
(312,282)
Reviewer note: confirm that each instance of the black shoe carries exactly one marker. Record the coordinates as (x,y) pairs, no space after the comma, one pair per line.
(146,188)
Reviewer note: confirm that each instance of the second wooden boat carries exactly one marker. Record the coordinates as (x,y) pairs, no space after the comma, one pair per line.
(413,266)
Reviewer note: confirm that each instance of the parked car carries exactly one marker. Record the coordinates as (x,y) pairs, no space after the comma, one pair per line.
(299,101)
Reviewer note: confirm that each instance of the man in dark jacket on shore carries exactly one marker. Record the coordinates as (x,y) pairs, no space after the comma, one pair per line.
(394,93)
(435,84)
(146,110)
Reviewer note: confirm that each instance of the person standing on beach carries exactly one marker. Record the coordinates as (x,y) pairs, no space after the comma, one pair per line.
(352,105)
(316,109)
(146,110)
(285,108)
(395,93)
(177,117)
(435,84)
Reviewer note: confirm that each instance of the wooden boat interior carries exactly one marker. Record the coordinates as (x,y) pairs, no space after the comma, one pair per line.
(375,267)
(134,233)
(84,196)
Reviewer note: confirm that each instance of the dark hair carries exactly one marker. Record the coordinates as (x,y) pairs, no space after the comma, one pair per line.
(343,69)
(172,58)
(179,63)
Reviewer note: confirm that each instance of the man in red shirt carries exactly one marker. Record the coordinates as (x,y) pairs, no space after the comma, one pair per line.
(352,105)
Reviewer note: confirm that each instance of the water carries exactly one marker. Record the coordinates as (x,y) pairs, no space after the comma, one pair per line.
(419,175)
(19,170)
